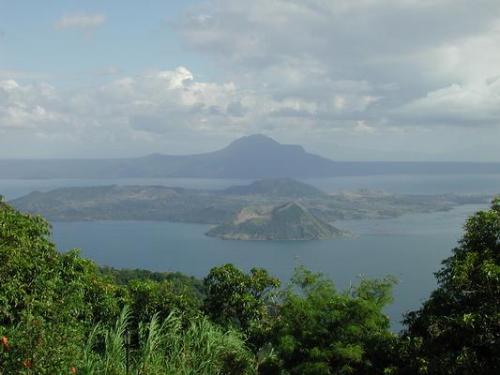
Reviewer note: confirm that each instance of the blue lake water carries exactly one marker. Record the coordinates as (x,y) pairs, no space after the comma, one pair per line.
(410,247)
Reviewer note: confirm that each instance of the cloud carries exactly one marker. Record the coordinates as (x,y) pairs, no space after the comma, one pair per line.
(342,32)
(404,75)
(164,102)
(235,109)
(154,102)
(80,21)
(25,107)
(379,61)
(466,105)
(362,127)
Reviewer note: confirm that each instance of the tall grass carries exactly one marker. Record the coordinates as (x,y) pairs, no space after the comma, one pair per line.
(166,348)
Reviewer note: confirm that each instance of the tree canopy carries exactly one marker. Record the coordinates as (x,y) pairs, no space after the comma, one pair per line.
(457,330)
(62,314)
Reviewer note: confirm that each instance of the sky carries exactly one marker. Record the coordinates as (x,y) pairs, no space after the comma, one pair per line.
(350,80)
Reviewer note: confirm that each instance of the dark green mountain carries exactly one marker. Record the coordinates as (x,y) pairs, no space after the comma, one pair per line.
(289,221)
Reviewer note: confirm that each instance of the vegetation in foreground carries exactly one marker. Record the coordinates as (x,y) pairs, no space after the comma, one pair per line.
(61,314)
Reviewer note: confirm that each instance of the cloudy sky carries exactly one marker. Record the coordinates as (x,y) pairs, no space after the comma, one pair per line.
(349,79)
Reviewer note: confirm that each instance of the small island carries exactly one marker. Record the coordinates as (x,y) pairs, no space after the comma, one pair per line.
(289,221)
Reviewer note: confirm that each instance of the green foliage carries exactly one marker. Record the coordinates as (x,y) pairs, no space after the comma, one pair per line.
(177,279)
(166,347)
(158,293)
(47,299)
(457,331)
(148,298)
(240,300)
(322,331)
(59,313)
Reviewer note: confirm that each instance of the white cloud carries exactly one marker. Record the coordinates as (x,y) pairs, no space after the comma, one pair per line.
(81,21)
(169,102)
(26,107)
(368,60)
(363,127)
(472,104)
(367,73)
(156,102)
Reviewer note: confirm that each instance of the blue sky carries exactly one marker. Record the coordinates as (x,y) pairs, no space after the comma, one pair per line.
(135,36)
(351,80)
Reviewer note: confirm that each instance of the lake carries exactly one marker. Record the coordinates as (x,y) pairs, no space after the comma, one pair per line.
(410,247)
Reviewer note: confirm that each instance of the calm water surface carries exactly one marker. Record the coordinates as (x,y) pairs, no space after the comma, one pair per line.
(410,248)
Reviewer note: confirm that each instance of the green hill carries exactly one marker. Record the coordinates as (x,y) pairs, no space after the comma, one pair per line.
(289,221)
(277,187)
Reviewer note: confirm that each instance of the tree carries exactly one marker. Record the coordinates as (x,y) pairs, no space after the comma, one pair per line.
(47,299)
(457,330)
(148,298)
(322,331)
(239,300)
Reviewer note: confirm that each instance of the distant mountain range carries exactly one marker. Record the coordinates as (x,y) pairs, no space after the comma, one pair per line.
(220,206)
(251,157)
(268,209)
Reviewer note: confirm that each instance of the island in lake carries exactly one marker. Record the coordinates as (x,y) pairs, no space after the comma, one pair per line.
(277,208)
(289,221)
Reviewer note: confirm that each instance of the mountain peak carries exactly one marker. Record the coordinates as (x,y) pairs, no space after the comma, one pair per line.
(256,138)
(277,187)
(258,143)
